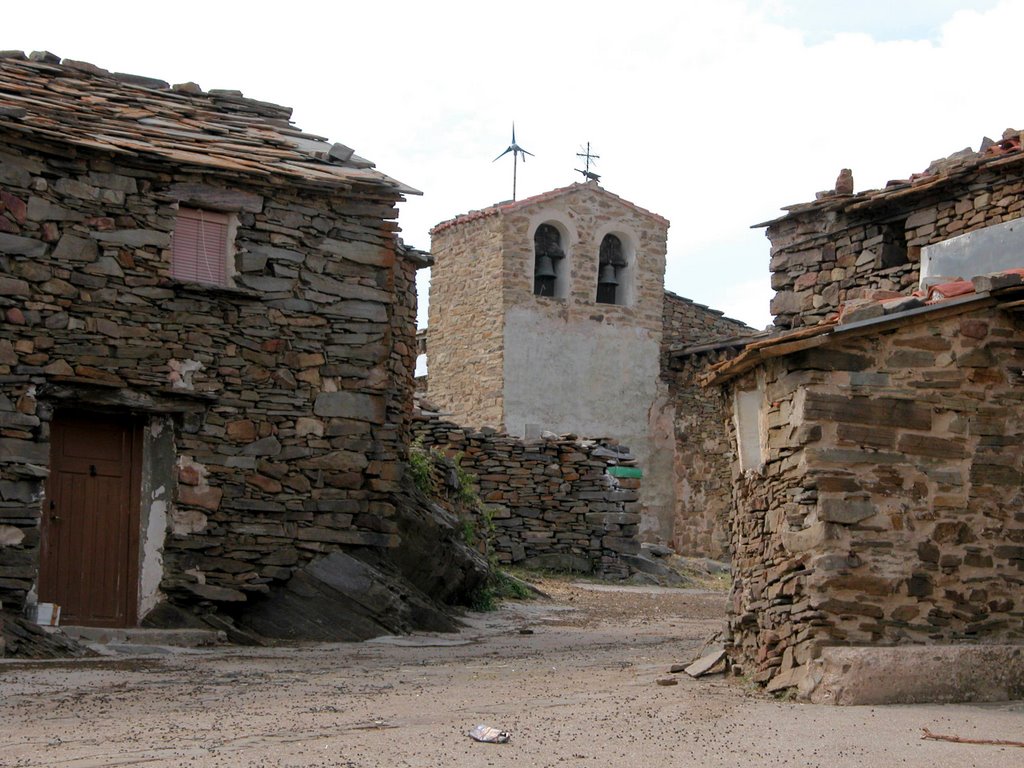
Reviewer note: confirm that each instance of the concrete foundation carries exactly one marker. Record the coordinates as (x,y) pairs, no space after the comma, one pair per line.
(910,675)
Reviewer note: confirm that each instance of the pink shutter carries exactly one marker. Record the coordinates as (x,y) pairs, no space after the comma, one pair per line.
(199,248)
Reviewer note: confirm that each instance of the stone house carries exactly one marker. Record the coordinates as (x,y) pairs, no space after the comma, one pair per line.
(879,451)
(696,336)
(550,314)
(842,246)
(206,351)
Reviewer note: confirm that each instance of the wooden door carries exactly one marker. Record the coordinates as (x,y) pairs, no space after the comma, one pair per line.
(90,533)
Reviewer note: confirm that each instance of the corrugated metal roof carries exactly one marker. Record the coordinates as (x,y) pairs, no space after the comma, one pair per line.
(80,104)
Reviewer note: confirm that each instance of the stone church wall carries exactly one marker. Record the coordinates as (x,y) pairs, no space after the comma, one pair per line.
(562,363)
(466,318)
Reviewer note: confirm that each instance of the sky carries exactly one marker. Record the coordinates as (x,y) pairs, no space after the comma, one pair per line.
(712,114)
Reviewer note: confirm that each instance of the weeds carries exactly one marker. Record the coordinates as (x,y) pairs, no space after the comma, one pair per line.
(421,466)
(499,586)
(441,476)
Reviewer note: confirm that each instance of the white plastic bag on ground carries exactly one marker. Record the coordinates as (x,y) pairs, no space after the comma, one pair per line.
(490,735)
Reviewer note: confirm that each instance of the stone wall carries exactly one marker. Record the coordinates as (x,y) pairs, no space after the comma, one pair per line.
(703,451)
(288,395)
(840,248)
(553,502)
(466,319)
(888,508)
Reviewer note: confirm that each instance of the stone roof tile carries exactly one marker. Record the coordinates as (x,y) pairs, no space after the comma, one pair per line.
(77,103)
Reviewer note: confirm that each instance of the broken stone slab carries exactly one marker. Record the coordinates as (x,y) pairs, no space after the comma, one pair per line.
(651,567)
(716,566)
(22,246)
(23,639)
(996,281)
(28,470)
(861,309)
(340,152)
(905,304)
(657,550)
(341,598)
(710,664)
(792,678)
(215,593)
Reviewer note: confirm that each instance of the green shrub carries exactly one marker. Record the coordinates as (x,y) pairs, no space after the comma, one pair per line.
(499,586)
(421,465)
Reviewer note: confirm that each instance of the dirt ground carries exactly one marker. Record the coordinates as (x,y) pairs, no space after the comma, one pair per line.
(579,690)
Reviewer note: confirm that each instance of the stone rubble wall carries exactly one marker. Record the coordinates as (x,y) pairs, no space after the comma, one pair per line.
(552,502)
(889,509)
(822,257)
(290,394)
(703,452)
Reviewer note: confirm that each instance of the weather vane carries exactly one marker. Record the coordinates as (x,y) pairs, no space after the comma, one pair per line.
(516,150)
(588,159)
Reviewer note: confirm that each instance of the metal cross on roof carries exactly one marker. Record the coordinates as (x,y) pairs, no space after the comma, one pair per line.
(516,150)
(589,158)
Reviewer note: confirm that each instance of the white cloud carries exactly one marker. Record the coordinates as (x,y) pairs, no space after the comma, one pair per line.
(712,114)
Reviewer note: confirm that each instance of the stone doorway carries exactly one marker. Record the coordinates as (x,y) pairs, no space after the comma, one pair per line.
(90,530)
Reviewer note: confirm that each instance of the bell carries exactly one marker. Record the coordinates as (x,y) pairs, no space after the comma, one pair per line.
(544,267)
(607,275)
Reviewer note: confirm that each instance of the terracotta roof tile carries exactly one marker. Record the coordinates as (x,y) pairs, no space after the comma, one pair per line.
(891,309)
(512,205)
(77,103)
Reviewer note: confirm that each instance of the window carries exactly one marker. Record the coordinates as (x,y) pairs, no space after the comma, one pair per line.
(200,246)
(887,242)
(548,262)
(747,420)
(611,270)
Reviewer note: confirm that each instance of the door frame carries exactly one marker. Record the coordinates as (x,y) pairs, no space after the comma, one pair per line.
(134,424)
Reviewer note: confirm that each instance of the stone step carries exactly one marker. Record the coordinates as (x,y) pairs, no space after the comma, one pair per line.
(182,638)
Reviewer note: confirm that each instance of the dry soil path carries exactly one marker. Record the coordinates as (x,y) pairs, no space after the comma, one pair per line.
(578,691)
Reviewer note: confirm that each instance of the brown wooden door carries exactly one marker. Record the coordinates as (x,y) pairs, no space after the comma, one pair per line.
(89,560)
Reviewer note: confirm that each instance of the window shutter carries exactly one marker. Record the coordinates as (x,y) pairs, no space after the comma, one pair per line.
(199,248)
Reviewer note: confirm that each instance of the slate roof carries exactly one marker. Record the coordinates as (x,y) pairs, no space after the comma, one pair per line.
(510,206)
(880,312)
(992,155)
(71,102)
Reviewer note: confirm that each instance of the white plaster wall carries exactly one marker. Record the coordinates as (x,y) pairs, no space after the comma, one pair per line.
(157,469)
(577,376)
(990,249)
(597,380)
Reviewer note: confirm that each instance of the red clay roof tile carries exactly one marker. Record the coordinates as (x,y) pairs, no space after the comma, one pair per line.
(512,205)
